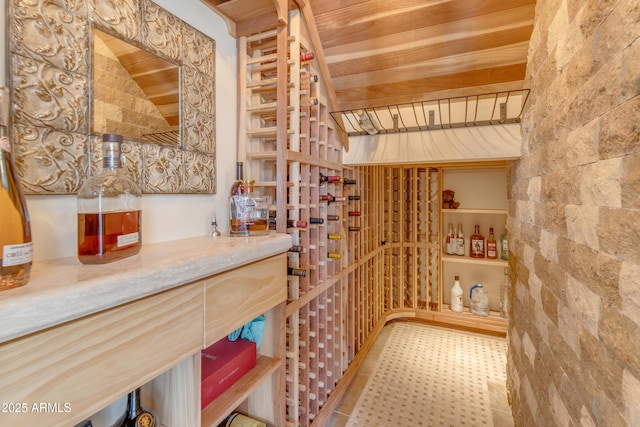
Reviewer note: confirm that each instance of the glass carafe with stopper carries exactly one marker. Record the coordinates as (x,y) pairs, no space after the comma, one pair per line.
(16,250)
(109,210)
(137,415)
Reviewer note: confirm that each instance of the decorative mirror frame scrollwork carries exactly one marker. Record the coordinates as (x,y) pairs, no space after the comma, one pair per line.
(50,79)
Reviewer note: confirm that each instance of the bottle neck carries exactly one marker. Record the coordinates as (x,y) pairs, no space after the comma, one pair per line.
(112,163)
(134,407)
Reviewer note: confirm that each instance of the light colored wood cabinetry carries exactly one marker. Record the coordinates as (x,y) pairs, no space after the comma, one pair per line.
(61,375)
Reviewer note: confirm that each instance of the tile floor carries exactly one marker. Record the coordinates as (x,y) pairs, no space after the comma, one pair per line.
(500,411)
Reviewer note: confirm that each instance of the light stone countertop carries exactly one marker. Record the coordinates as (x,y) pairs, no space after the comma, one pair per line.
(64,289)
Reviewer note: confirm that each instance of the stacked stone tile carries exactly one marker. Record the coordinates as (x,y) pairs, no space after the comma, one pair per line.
(574,219)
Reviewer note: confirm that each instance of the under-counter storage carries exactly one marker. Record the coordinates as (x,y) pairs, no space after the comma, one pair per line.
(146,320)
(62,375)
(231,300)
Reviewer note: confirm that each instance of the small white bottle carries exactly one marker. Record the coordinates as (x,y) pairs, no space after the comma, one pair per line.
(456,296)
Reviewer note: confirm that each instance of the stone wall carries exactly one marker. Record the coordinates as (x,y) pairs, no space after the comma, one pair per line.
(574,205)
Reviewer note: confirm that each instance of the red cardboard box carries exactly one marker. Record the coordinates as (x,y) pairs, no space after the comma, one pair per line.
(223,364)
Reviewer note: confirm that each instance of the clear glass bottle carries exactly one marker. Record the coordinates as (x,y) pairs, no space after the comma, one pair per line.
(504,295)
(137,415)
(504,244)
(238,186)
(109,210)
(450,242)
(16,247)
(460,241)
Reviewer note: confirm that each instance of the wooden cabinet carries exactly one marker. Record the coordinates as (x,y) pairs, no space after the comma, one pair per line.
(481,191)
(63,374)
(231,300)
(84,365)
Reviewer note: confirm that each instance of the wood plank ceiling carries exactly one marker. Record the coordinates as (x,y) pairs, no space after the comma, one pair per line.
(382,52)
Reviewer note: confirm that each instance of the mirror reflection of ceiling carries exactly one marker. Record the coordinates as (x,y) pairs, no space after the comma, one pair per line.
(140,87)
(55,136)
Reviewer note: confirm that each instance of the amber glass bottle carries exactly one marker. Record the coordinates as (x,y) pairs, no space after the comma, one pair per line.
(476,243)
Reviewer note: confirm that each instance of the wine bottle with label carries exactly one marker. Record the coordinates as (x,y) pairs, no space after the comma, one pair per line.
(239,420)
(329,178)
(137,415)
(16,247)
(109,210)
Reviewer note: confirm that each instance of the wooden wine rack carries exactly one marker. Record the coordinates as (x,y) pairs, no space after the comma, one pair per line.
(390,268)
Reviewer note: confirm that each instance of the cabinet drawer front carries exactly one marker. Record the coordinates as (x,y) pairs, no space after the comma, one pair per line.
(62,375)
(238,296)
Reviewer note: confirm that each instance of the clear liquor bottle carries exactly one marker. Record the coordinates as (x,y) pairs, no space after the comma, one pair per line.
(16,247)
(460,241)
(109,210)
(504,243)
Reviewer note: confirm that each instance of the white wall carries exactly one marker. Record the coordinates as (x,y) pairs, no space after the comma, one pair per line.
(165,217)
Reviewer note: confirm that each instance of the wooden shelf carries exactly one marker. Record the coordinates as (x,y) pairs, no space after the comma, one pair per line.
(224,404)
(477,261)
(475,211)
(245,17)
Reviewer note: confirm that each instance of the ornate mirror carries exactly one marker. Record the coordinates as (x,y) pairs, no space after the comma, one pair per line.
(80,69)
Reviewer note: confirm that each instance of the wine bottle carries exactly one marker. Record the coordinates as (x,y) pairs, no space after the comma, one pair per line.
(331,198)
(334,236)
(136,415)
(16,247)
(307,56)
(354,228)
(329,178)
(354,197)
(296,223)
(348,181)
(334,255)
(296,272)
(316,220)
(295,248)
(476,243)
(333,218)
(492,245)
(354,213)
(109,210)
(239,420)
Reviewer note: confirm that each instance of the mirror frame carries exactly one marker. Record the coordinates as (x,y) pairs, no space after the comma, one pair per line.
(50,74)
